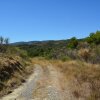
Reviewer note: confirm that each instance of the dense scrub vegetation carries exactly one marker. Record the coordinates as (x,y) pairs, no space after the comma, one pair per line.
(87,49)
(15,59)
(80,78)
(14,66)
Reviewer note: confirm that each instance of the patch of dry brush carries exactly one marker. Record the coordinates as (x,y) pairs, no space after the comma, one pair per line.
(82,79)
(13,72)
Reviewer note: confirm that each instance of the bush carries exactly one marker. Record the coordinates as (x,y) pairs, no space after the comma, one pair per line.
(12,50)
(83,45)
(95,55)
(84,54)
(65,58)
(72,43)
(94,38)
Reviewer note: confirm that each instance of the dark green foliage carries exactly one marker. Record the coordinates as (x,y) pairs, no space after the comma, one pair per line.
(4,40)
(86,49)
(3,44)
(50,49)
(72,43)
(94,38)
(1,40)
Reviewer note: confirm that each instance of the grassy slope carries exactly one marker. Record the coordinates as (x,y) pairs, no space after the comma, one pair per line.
(13,64)
(82,79)
(13,70)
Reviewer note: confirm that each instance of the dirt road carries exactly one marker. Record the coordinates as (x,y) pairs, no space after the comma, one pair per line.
(43,84)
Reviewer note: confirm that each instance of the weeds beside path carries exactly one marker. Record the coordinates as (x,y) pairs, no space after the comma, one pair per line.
(43,84)
(24,92)
(56,80)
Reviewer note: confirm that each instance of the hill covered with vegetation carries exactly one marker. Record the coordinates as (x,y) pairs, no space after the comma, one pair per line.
(16,61)
(14,66)
(87,49)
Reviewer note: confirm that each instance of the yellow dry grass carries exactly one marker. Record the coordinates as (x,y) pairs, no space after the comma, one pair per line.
(83,79)
(13,72)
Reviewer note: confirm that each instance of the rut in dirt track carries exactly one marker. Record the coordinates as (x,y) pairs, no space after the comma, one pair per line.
(43,84)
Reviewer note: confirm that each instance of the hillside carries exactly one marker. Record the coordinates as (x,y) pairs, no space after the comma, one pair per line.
(14,68)
(48,62)
(80,49)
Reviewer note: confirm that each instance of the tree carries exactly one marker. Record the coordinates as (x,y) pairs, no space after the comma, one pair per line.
(97,36)
(94,38)
(73,43)
(92,34)
(6,41)
(1,40)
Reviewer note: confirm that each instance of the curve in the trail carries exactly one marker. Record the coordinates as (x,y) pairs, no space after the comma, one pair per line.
(24,92)
(43,84)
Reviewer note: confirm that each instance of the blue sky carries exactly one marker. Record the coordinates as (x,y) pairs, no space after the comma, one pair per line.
(28,20)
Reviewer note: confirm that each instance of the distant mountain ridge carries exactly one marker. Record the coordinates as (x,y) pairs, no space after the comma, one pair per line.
(35,42)
(42,42)
(22,43)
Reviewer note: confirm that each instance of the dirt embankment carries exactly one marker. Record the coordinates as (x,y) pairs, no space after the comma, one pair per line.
(44,84)
(12,74)
(56,80)
(76,80)
(24,92)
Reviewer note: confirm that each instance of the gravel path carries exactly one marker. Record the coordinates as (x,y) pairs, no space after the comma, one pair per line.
(51,89)
(43,84)
(24,92)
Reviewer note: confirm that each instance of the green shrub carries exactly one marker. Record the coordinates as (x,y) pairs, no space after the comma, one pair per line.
(65,58)
(15,51)
(72,43)
(94,38)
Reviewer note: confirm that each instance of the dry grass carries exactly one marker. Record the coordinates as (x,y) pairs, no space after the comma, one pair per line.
(83,79)
(13,72)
